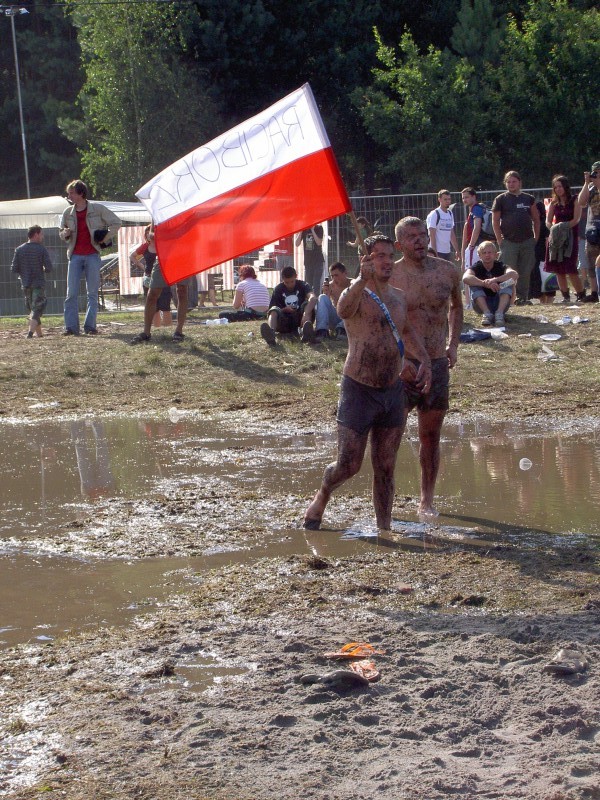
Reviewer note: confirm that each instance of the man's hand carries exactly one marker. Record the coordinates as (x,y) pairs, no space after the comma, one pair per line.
(452,354)
(492,283)
(367,268)
(423,379)
(288,310)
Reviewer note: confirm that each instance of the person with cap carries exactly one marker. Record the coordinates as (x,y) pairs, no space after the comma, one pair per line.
(589,197)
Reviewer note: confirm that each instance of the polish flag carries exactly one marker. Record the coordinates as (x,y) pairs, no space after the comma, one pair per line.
(269,177)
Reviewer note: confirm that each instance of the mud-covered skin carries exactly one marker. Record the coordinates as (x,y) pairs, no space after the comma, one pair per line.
(373,360)
(434,307)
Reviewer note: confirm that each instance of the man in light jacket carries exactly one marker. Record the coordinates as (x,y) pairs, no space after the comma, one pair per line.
(86,226)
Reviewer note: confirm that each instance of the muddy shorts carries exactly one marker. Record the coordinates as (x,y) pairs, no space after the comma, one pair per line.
(364,407)
(157,280)
(439,394)
(35,300)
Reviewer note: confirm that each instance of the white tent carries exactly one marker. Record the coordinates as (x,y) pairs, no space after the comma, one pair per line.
(47,211)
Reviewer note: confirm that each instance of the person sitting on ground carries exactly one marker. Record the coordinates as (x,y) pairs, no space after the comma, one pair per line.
(292,307)
(30,261)
(326,317)
(251,300)
(490,295)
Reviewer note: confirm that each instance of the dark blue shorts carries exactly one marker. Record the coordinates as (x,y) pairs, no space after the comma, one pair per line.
(438,398)
(363,407)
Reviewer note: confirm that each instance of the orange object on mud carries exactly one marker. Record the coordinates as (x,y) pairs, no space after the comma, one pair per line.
(355,650)
(366,669)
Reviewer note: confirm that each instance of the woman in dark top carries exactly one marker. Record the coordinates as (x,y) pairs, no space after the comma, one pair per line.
(564,208)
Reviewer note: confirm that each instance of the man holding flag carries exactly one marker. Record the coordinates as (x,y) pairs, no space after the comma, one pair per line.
(371,396)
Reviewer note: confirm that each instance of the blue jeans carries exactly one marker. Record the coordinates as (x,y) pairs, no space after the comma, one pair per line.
(326,317)
(90,267)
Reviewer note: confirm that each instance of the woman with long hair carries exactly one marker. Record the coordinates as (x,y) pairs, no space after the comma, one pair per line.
(562,217)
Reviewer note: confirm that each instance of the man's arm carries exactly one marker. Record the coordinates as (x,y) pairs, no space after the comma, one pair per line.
(535,216)
(415,345)
(15,266)
(110,219)
(584,194)
(454,242)
(496,225)
(455,320)
(298,239)
(318,239)
(432,239)
(47,261)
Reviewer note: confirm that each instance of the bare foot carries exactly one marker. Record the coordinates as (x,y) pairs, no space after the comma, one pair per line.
(427,510)
(314,513)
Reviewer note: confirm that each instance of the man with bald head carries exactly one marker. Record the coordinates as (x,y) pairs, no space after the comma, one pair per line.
(435,311)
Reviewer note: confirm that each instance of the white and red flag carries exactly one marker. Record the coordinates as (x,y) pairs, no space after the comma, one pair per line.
(271,176)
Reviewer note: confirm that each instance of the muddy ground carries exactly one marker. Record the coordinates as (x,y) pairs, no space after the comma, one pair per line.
(203,697)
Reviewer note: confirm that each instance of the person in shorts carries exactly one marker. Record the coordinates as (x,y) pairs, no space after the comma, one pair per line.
(371,399)
(155,289)
(292,308)
(492,285)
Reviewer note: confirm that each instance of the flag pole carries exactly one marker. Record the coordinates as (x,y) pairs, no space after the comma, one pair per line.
(361,244)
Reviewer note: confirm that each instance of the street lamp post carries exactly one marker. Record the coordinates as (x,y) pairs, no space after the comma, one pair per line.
(12,11)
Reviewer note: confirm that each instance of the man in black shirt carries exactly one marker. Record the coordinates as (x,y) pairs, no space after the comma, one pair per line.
(292,307)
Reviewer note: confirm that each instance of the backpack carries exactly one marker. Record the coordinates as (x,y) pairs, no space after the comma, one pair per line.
(487,231)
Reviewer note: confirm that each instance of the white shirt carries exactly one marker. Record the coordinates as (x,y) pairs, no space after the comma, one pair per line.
(254,293)
(443,228)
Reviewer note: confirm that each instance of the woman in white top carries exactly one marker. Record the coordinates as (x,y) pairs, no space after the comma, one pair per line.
(251,300)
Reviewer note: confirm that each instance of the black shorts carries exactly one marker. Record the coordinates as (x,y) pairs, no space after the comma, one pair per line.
(438,398)
(363,407)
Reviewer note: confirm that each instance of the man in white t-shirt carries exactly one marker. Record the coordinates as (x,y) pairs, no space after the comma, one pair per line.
(440,226)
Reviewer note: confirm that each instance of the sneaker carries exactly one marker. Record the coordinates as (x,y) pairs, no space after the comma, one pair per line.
(141,337)
(322,334)
(30,334)
(90,332)
(487,319)
(590,298)
(69,332)
(499,319)
(341,332)
(308,333)
(566,301)
(178,336)
(267,333)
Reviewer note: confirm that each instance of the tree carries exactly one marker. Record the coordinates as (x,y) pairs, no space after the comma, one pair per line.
(143,103)
(478,33)
(50,80)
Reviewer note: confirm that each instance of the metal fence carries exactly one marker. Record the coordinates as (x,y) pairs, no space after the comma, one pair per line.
(382,212)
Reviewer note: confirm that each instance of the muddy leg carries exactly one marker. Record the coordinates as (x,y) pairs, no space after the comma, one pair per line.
(430,426)
(351,450)
(384,449)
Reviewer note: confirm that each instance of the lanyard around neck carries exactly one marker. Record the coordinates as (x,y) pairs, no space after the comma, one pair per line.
(388,317)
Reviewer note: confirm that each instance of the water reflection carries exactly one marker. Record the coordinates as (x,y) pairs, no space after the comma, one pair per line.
(53,473)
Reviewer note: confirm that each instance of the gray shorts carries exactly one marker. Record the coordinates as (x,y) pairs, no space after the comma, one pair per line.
(363,407)
(157,280)
(438,398)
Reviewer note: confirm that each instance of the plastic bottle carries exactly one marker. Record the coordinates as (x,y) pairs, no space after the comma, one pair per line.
(541,318)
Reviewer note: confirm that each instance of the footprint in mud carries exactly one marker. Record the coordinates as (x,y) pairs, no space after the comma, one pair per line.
(283,721)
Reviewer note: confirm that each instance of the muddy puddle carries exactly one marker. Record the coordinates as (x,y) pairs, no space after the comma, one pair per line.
(102,519)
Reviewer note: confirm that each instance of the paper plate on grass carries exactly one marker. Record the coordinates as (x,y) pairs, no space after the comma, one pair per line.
(551,337)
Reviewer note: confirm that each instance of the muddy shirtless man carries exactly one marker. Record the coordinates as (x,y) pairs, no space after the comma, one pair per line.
(371,397)
(435,311)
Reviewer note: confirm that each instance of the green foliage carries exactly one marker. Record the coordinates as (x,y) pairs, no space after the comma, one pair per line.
(478,33)
(142,99)
(520,102)
(50,79)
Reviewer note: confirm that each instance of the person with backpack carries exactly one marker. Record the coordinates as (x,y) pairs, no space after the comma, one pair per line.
(516,222)
(477,228)
(440,227)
